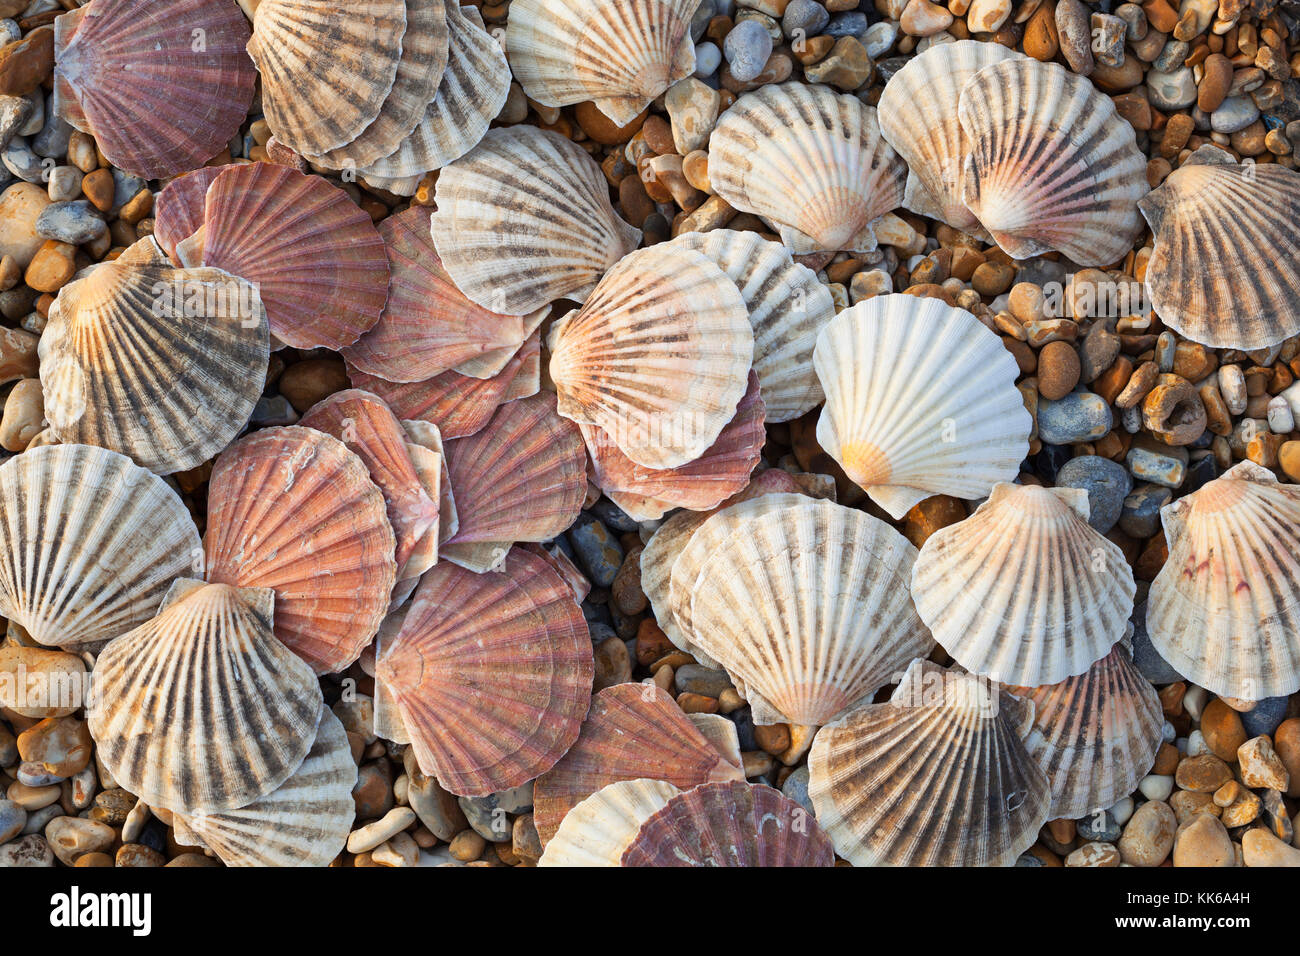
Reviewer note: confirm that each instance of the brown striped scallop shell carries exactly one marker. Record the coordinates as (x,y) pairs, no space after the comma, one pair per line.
(730,824)
(524,219)
(632,732)
(293,510)
(938,776)
(1051,165)
(160,364)
(370,429)
(810,161)
(133,76)
(309,51)
(1224,611)
(1096,735)
(90,543)
(620,54)
(658,358)
(491,673)
(1212,275)
(202,708)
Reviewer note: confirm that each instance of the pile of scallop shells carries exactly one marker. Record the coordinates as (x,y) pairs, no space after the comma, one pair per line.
(649,433)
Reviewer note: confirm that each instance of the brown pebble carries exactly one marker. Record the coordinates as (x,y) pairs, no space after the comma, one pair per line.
(1058,370)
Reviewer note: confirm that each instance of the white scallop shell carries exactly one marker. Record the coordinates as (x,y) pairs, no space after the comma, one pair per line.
(601,827)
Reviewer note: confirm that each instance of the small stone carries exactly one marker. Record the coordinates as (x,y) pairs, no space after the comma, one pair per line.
(1140,515)
(1171,91)
(466,846)
(1100,826)
(746,49)
(21,206)
(1203,841)
(803,18)
(1215,82)
(12,820)
(987,16)
(1079,417)
(1058,370)
(597,551)
(1094,854)
(26,63)
(613,663)
(14,113)
(72,222)
(1074,30)
(30,850)
(62,745)
(1155,462)
(1260,765)
(69,837)
(847,67)
(1234,114)
(1156,786)
(1222,729)
(1242,811)
(1149,836)
(52,267)
(370,836)
(1107,485)
(24,415)
(138,855)
(1259,847)
(1265,717)
(693,110)
(696,679)
(1203,774)
(921,18)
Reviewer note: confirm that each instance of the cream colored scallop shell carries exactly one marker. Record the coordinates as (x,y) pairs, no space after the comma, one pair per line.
(1024,590)
(601,827)
(1224,611)
(809,160)
(921,400)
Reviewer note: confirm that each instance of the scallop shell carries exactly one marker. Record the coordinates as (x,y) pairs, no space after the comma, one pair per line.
(524,219)
(428,465)
(620,54)
(598,829)
(918,117)
(809,160)
(788,307)
(1024,590)
(90,543)
(157,101)
(1224,611)
(658,358)
(202,708)
(1222,272)
(315,257)
(491,673)
(730,824)
(428,327)
(722,471)
(308,50)
(369,428)
(522,478)
(429,437)
(1051,165)
(632,732)
(473,90)
(303,822)
(562,565)
(458,404)
(1097,734)
(424,57)
(178,210)
(921,399)
(293,510)
(808,605)
(938,776)
(161,364)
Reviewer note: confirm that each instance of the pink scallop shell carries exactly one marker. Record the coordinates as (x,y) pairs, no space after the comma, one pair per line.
(178,211)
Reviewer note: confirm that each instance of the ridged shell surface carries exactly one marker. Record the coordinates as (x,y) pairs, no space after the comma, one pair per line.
(178,210)
(162,365)
(303,822)
(659,356)
(809,606)
(293,510)
(1096,734)
(1024,590)
(492,673)
(809,160)
(524,219)
(921,400)
(788,307)
(202,708)
(135,76)
(1052,166)
(620,54)
(632,732)
(730,824)
(326,69)
(601,827)
(1224,611)
(1223,271)
(918,117)
(937,776)
(91,543)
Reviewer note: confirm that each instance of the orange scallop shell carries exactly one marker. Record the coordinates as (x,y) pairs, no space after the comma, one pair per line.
(369,428)
(491,673)
(293,510)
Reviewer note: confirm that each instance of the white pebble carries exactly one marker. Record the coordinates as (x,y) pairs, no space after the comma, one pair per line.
(1232,383)
(707,59)
(1167,733)
(879,38)
(1194,700)
(1196,745)
(372,834)
(1122,810)
(1155,786)
(9,31)
(1280,418)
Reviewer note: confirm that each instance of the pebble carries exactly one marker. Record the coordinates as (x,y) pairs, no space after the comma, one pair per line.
(1140,514)
(746,49)
(1260,765)
(1156,786)
(1074,33)
(1222,728)
(1259,847)
(879,38)
(70,837)
(1171,91)
(438,810)
(697,679)
(26,63)
(692,109)
(1094,854)
(849,24)
(803,18)
(1058,370)
(1079,417)
(598,553)
(72,222)
(14,113)
(613,663)
(1236,113)
(21,160)
(27,851)
(1100,827)
(707,59)
(372,834)
(796,787)
(21,206)
(24,415)
(1107,485)
(1158,463)
(12,820)
(921,18)
(1149,835)
(1203,841)
(1203,774)
(1265,716)
(401,850)
(847,67)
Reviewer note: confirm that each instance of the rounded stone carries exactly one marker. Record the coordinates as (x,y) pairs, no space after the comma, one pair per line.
(1149,836)
(1058,370)
(746,49)
(1107,485)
